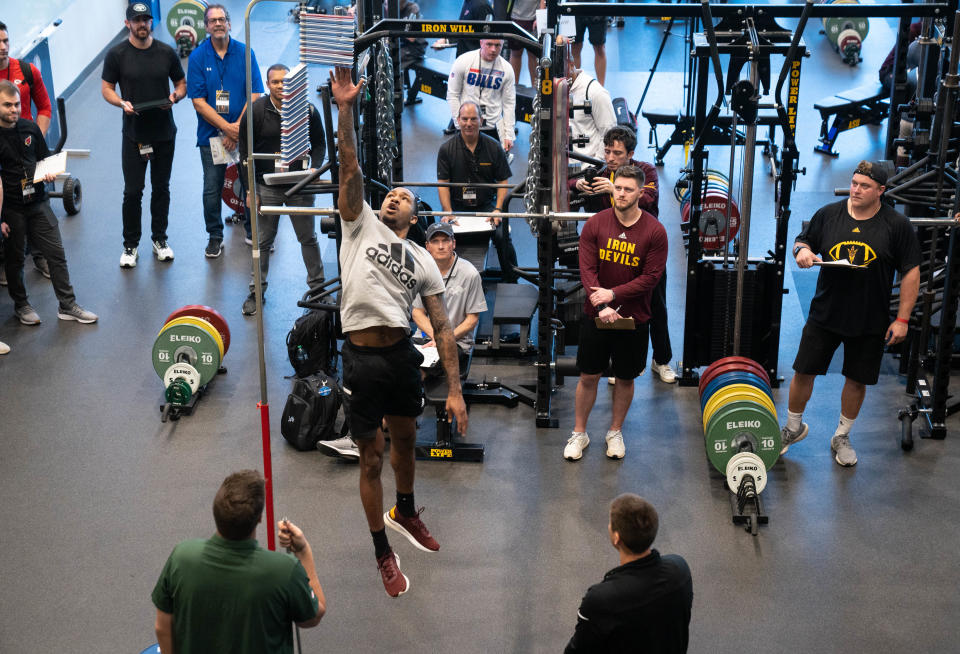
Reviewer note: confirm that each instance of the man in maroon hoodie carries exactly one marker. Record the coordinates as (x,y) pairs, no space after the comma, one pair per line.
(597,194)
(623,251)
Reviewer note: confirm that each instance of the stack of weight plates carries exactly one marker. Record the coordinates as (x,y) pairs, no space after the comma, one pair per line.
(739,417)
(188,351)
(185,22)
(715,234)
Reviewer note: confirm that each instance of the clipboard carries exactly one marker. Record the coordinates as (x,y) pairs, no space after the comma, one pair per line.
(152,104)
(618,324)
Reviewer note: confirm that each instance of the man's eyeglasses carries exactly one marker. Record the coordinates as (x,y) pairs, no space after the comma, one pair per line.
(217,20)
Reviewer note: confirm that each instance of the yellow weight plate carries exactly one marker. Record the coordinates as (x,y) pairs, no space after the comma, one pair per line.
(201,324)
(734,393)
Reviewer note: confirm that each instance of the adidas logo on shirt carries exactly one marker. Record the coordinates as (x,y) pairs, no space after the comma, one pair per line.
(396,259)
(622,235)
(856,230)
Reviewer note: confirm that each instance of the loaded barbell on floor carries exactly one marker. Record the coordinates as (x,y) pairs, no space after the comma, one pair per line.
(741,431)
(187,355)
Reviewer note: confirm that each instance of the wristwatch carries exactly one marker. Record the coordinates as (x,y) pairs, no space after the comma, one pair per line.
(602,306)
(796,250)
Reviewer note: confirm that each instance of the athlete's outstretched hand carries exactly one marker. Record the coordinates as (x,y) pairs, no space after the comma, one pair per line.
(344,91)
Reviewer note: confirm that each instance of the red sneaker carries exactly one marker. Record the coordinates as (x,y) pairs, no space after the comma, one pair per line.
(394,581)
(412,529)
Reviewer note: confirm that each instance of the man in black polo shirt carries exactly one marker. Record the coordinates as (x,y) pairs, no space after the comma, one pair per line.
(144,68)
(470,156)
(644,604)
(266,139)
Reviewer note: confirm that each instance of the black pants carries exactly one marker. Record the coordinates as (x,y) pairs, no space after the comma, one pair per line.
(134,174)
(36,222)
(659,330)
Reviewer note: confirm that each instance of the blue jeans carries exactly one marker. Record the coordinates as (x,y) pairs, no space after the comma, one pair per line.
(213,176)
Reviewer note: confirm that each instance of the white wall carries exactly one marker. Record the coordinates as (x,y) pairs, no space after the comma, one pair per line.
(88,27)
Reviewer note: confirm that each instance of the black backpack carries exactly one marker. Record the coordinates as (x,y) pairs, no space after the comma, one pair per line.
(311,411)
(311,344)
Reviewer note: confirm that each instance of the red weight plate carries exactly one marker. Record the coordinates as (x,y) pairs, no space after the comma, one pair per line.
(731,364)
(714,231)
(231,189)
(209,314)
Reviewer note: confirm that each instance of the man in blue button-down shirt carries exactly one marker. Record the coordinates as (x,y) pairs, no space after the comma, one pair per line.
(216,82)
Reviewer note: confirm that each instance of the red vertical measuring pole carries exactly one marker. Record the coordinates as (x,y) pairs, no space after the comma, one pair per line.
(267,471)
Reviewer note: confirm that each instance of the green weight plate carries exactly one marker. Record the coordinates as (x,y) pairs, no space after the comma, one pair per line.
(178,393)
(737,422)
(733,393)
(202,324)
(196,343)
(187,12)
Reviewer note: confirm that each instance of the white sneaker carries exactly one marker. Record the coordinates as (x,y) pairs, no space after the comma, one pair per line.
(343,447)
(4,348)
(576,444)
(129,258)
(615,448)
(667,375)
(611,380)
(163,251)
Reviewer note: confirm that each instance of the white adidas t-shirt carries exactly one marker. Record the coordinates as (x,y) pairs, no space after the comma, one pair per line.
(382,274)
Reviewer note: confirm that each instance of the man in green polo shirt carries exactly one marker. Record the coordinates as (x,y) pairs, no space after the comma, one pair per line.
(227,594)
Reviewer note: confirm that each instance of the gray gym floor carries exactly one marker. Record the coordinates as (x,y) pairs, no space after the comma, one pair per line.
(96,491)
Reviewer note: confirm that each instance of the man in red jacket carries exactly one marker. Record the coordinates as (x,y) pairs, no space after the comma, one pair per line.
(30,84)
(623,251)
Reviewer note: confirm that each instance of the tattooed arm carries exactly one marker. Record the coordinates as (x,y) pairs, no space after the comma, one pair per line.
(345,92)
(447,349)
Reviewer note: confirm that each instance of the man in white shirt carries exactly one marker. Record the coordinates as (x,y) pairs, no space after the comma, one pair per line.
(484,77)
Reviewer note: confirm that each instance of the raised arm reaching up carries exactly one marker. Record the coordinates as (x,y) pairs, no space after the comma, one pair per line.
(345,93)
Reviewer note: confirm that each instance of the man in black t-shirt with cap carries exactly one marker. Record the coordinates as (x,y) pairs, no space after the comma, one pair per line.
(142,67)
(860,244)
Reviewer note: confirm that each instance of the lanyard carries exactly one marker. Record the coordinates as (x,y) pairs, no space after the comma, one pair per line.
(446,279)
(218,61)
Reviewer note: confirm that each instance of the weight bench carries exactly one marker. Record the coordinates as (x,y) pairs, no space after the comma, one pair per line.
(864,105)
(514,304)
(683,130)
(435,389)
(430,77)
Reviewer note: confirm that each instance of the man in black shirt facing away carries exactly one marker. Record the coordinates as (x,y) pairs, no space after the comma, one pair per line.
(25,211)
(142,66)
(872,241)
(469,156)
(644,604)
(266,139)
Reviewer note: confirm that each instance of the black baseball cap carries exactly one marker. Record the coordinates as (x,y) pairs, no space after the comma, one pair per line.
(874,170)
(439,228)
(138,9)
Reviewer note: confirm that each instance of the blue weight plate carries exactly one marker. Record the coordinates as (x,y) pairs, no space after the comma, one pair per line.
(737,377)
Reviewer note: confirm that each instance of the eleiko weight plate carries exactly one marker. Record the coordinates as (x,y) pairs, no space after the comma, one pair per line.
(209,314)
(727,378)
(190,341)
(734,393)
(745,463)
(739,422)
(743,363)
(202,324)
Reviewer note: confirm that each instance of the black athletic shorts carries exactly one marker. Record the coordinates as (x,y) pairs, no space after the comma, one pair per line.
(862,355)
(381,381)
(627,348)
(597,25)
